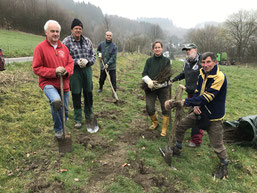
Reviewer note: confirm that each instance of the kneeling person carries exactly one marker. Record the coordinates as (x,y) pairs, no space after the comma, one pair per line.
(208,103)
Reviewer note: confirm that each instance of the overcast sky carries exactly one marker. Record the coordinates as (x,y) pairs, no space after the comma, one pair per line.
(183,13)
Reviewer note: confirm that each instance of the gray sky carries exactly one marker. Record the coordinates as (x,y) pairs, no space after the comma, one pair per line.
(183,13)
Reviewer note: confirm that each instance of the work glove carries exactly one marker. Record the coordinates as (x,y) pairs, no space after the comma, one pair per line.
(156,85)
(60,71)
(162,85)
(169,104)
(150,83)
(82,62)
(100,55)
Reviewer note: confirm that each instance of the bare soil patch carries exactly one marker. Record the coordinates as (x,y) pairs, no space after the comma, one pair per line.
(112,163)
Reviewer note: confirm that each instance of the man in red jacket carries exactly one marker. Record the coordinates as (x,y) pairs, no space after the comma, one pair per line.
(51,59)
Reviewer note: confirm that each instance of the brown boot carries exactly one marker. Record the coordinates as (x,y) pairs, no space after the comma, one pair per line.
(165,123)
(155,123)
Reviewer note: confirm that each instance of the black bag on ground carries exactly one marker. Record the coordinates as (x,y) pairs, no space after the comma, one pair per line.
(203,122)
(242,132)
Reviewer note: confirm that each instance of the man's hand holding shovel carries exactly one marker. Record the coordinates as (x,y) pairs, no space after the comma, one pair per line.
(60,71)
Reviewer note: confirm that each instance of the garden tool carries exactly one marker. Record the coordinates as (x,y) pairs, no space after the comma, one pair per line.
(167,153)
(108,76)
(65,143)
(170,93)
(92,126)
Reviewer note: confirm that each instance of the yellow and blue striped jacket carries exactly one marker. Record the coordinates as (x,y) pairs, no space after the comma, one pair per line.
(210,94)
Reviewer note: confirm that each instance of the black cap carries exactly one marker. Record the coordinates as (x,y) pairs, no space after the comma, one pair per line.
(189,46)
(76,22)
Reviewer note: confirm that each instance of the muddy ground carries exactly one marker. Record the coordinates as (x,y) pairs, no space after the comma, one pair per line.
(111,162)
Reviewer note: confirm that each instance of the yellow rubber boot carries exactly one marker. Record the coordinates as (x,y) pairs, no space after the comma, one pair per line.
(165,123)
(155,123)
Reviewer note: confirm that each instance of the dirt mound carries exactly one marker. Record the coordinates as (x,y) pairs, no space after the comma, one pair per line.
(92,141)
(40,185)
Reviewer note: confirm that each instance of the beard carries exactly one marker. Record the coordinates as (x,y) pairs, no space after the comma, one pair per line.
(190,57)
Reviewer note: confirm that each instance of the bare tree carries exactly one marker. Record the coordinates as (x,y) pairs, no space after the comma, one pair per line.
(209,38)
(156,33)
(242,28)
(107,23)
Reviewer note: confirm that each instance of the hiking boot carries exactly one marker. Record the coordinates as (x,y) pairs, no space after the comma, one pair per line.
(59,134)
(192,144)
(222,171)
(77,125)
(176,151)
(99,90)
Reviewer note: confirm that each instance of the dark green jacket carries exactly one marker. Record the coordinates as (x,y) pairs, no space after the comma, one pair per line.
(109,54)
(154,65)
(190,73)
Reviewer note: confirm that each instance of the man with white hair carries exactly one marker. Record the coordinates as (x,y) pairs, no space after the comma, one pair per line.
(51,59)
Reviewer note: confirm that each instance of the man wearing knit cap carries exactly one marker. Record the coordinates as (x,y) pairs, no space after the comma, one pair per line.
(83,54)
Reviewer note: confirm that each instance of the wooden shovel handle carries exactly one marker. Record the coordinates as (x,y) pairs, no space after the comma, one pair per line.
(108,76)
(178,96)
(63,106)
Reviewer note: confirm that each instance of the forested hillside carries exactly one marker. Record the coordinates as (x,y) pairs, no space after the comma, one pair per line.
(30,16)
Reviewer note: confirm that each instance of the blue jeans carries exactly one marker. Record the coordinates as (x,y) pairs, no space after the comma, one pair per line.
(54,95)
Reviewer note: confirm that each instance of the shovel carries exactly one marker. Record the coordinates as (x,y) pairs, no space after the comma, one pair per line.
(108,76)
(65,143)
(92,126)
(167,153)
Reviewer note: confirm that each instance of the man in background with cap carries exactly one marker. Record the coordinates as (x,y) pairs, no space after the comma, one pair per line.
(82,51)
(190,73)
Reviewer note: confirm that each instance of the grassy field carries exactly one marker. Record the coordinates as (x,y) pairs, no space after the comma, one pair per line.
(17,44)
(123,156)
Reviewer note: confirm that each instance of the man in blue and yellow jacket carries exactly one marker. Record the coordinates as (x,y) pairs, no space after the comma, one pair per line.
(209,110)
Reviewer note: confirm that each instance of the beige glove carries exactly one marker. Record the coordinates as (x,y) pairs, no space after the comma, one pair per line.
(82,62)
(150,84)
(100,55)
(60,71)
(169,104)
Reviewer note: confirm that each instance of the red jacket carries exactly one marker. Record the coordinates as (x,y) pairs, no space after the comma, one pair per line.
(46,59)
